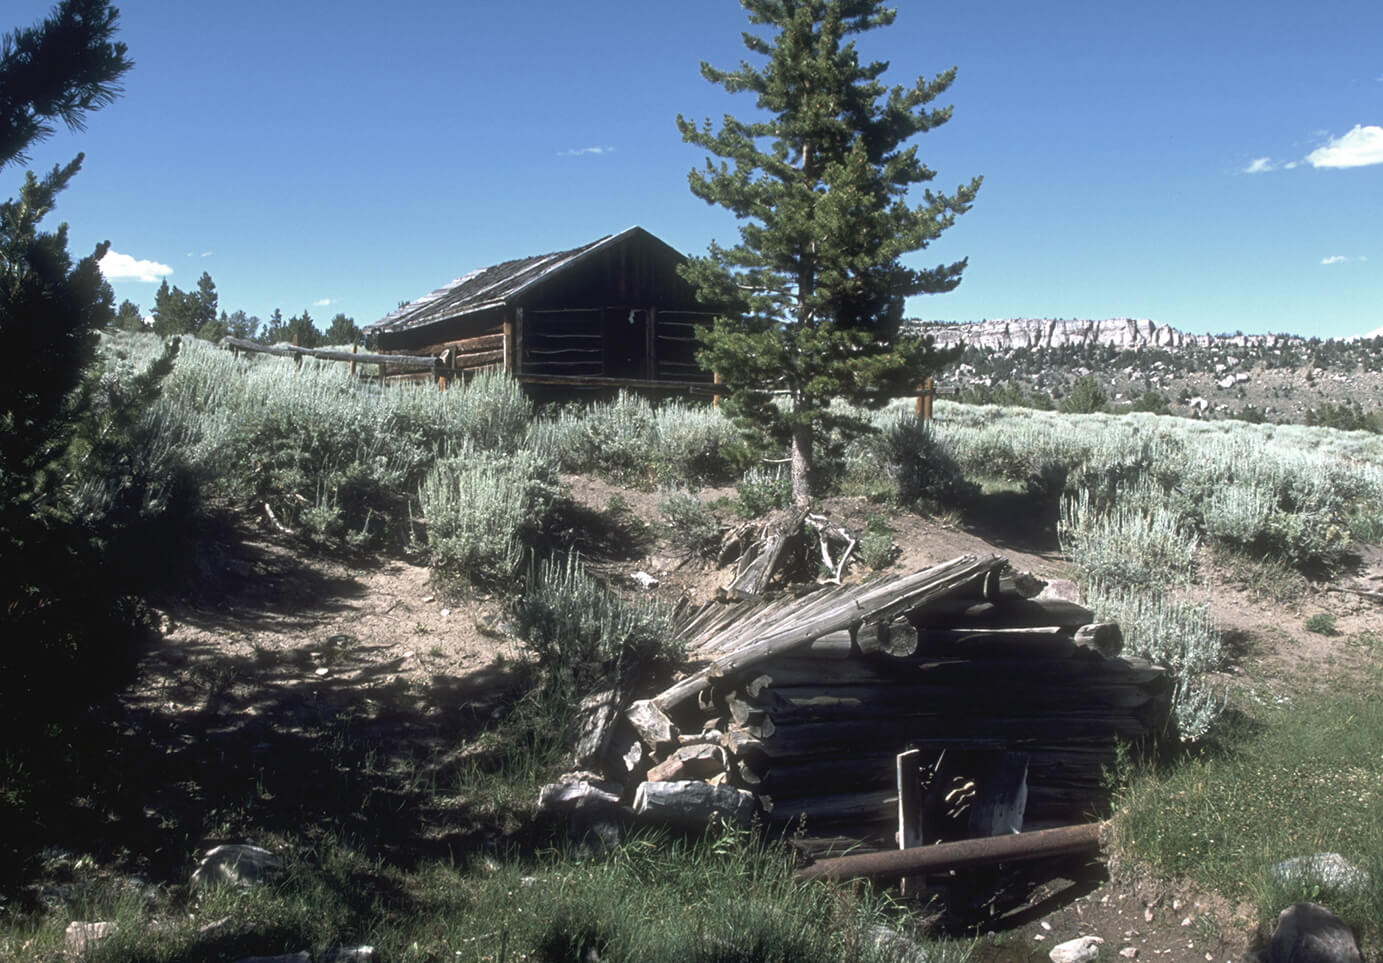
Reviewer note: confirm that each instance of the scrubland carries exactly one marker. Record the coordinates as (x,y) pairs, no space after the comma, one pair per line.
(1152,515)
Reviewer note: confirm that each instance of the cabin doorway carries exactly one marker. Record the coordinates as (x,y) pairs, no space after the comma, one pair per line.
(626,343)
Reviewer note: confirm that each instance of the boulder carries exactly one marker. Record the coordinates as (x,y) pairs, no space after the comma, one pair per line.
(236,864)
(81,938)
(578,789)
(1082,949)
(1328,871)
(1310,933)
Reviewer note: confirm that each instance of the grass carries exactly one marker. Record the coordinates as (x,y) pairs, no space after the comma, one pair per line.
(1286,781)
(725,896)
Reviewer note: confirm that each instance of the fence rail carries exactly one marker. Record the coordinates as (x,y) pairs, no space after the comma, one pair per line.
(440,366)
(328,354)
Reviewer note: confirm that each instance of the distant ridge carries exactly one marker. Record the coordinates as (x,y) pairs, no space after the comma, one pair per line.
(1009,333)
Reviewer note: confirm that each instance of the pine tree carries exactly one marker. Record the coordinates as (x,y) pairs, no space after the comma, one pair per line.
(62,68)
(274,330)
(302,332)
(343,330)
(128,318)
(64,431)
(203,310)
(814,292)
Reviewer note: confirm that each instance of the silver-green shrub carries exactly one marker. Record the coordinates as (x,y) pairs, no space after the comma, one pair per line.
(689,522)
(630,439)
(1171,630)
(1133,539)
(692,442)
(1285,492)
(574,622)
(331,456)
(480,507)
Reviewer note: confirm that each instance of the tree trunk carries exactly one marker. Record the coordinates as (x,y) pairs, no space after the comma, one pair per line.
(801,465)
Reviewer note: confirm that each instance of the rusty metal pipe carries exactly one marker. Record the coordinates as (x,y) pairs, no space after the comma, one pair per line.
(895,864)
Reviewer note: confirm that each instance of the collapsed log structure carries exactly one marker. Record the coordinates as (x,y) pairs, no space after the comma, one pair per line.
(907,710)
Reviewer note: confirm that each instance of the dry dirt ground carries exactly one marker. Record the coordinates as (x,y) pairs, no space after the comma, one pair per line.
(274,648)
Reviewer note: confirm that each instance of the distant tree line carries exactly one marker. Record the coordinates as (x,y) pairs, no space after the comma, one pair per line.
(177,312)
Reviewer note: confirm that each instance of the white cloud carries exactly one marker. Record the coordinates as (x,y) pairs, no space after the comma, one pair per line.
(577,151)
(1341,259)
(1259,164)
(323,302)
(1360,147)
(122,267)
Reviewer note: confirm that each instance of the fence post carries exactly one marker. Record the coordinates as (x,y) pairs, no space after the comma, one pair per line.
(715,398)
(297,358)
(355,349)
(925,393)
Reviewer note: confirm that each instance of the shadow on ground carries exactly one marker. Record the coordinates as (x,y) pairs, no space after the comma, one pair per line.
(315,742)
(1018,521)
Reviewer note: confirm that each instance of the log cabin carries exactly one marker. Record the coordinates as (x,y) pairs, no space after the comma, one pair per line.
(610,314)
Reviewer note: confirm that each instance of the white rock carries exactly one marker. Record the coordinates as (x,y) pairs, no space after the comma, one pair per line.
(238,864)
(1083,949)
(644,579)
(1326,870)
(79,938)
(350,954)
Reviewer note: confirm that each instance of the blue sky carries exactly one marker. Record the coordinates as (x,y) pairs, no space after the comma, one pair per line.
(1214,165)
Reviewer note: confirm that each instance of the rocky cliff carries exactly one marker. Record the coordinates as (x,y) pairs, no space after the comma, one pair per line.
(1010,333)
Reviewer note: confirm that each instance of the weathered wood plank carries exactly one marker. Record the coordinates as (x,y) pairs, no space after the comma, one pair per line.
(865,603)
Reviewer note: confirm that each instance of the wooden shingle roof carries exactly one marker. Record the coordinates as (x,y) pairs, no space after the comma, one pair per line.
(492,287)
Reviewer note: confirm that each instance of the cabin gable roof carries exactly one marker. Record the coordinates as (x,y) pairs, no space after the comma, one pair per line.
(501,284)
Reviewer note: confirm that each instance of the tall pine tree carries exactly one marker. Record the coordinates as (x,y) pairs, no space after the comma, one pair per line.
(813,293)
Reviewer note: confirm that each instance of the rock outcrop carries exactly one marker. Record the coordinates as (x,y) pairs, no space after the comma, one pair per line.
(1009,333)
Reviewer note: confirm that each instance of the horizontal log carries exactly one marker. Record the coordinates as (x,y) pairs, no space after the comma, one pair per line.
(692,803)
(1009,613)
(326,354)
(963,854)
(773,754)
(863,807)
(477,359)
(799,740)
(791,670)
(789,706)
(481,342)
(597,381)
(815,776)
